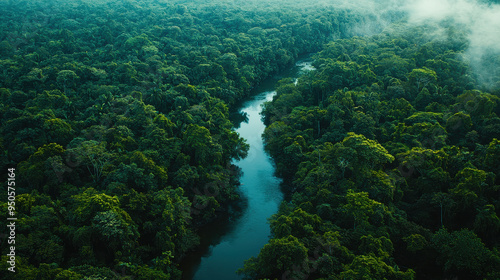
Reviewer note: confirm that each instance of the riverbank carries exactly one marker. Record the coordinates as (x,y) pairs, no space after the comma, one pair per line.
(229,241)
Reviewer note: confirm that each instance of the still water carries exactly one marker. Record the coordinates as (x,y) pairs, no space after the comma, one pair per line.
(227,243)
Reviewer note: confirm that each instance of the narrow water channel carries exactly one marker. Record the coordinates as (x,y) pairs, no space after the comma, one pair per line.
(225,245)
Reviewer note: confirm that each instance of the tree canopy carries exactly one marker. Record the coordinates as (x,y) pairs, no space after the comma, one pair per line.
(115,116)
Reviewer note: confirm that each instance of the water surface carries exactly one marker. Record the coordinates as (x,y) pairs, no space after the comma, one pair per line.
(227,243)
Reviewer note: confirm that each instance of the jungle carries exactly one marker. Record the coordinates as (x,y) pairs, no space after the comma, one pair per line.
(115,119)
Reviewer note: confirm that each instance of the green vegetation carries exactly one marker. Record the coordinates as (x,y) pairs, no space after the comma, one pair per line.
(114,115)
(389,150)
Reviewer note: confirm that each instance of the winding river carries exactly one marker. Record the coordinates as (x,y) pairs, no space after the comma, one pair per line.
(227,243)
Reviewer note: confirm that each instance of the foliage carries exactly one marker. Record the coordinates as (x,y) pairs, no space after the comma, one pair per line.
(115,115)
(394,146)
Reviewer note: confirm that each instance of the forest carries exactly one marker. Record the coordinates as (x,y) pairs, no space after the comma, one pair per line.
(115,118)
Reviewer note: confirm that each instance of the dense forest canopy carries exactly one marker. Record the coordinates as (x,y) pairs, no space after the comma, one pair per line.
(390,153)
(115,118)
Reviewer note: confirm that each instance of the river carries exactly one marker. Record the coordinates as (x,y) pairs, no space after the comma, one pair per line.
(227,243)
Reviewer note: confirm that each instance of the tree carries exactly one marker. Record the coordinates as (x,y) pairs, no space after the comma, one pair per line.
(280,257)
(493,156)
(67,79)
(136,177)
(396,109)
(198,144)
(463,253)
(230,63)
(372,268)
(472,184)
(93,155)
(421,77)
(380,247)
(444,201)
(363,124)
(90,203)
(424,162)
(37,237)
(117,229)
(299,222)
(58,130)
(68,275)
(33,79)
(6,49)
(360,207)
(369,152)
(458,125)
(487,223)
(475,103)
(33,170)
(415,242)
(171,212)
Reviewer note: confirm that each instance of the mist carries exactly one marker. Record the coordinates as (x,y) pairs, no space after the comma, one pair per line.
(476,20)
(479,21)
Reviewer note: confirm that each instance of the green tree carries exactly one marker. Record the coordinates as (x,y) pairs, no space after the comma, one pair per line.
(369,153)
(199,145)
(493,156)
(283,256)
(93,155)
(117,230)
(444,201)
(422,77)
(458,125)
(38,237)
(472,184)
(463,253)
(487,223)
(67,79)
(299,222)
(371,268)
(380,247)
(90,202)
(360,207)
(33,170)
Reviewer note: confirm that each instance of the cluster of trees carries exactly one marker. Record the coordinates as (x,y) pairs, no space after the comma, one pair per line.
(390,152)
(115,116)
